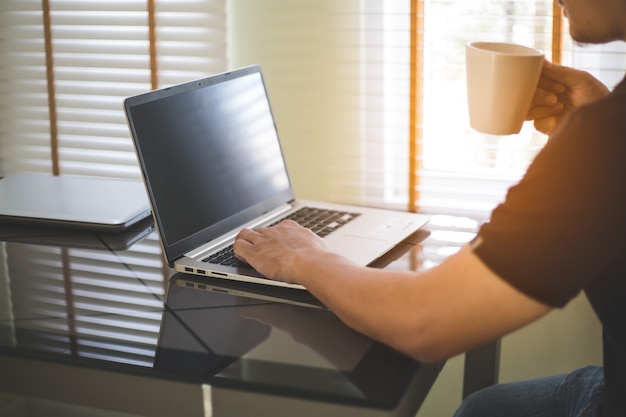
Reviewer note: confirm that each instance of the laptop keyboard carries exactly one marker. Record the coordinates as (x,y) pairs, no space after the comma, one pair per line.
(321,221)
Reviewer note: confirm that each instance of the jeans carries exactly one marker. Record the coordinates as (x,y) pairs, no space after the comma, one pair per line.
(578,394)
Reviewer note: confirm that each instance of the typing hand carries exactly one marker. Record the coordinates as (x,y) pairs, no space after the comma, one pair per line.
(277,251)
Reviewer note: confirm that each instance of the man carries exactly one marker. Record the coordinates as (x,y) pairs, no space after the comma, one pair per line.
(560,231)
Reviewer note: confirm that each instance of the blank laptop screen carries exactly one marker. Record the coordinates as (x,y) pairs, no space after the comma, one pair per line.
(209,152)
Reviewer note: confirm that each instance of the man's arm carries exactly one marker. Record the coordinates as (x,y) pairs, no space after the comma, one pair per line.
(453,307)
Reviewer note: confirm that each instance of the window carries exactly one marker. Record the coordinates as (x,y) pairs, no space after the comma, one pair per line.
(339,78)
(100,53)
(462,169)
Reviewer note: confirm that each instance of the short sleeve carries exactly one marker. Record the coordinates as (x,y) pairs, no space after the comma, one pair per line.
(563,223)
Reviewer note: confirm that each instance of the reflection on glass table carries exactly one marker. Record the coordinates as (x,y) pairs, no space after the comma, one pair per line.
(92,311)
(286,348)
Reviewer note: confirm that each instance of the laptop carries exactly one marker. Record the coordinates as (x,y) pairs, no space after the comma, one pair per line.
(212,163)
(76,238)
(74,202)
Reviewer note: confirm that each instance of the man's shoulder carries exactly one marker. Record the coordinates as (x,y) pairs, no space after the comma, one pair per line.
(620,89)
(615,103)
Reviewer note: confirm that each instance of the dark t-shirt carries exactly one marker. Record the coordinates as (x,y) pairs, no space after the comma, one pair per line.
(562,229)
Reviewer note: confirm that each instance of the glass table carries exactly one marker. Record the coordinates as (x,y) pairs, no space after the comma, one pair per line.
(97,322)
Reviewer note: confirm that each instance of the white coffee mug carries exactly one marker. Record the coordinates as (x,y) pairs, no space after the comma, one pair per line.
(501,81)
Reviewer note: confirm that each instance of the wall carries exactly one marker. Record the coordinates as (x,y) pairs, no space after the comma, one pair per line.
(299,49)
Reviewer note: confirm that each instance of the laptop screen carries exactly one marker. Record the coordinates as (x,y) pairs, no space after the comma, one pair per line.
(210,155)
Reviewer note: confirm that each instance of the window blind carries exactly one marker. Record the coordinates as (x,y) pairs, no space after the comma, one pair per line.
(337,75)
(100,54)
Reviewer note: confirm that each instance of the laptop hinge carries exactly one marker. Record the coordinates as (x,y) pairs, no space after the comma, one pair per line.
(228,238)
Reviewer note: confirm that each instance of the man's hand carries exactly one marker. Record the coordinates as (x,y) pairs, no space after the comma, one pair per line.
(279,252)
(560,90)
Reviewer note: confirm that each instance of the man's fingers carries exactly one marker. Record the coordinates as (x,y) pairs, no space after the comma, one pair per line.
(546,125)
(542,112)
(243,243)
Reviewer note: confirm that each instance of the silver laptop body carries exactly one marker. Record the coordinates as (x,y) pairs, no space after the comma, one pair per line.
(77,202)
